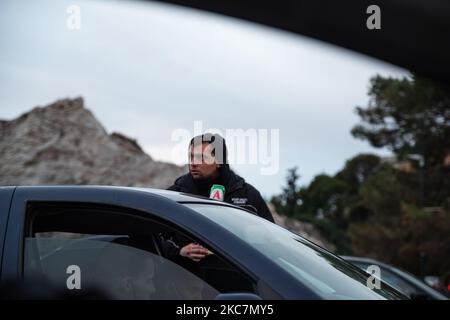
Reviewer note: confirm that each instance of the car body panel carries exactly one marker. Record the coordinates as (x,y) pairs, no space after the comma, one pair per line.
(403,275)
(153,202)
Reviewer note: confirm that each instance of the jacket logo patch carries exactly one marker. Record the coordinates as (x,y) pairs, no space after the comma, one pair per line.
(239,201)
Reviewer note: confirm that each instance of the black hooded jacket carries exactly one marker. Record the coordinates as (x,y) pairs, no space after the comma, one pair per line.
(237,191)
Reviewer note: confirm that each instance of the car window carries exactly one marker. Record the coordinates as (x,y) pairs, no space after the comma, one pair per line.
(324,273)
(117,271)
(117,255)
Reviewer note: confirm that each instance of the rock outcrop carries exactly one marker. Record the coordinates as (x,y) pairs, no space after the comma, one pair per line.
(63,143)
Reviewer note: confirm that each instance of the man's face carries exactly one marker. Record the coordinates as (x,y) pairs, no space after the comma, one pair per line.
(202,163)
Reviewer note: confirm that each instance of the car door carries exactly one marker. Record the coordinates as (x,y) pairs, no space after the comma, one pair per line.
(97,250)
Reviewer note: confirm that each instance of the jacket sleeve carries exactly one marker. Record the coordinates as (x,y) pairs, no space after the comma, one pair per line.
(170,248)
(172,243)
(260,205)
(173,187)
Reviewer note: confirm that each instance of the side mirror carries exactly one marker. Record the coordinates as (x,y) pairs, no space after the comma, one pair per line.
(237,296)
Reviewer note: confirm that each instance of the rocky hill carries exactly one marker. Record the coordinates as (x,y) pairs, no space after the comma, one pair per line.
(63,143)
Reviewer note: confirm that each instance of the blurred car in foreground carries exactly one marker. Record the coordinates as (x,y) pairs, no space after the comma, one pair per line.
(403,281)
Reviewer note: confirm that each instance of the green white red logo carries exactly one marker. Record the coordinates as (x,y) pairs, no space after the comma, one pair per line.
(217,192)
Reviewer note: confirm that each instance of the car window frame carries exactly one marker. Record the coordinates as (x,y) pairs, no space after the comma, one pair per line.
(124,211)
(273,282)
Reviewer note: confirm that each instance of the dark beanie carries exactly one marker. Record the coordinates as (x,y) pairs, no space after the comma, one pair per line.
(218,142)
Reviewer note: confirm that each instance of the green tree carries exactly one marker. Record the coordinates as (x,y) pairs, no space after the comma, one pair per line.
(386,191)
(323,196)
(288,201)
(337,197)
(397,231)
(408,116)
(358,169)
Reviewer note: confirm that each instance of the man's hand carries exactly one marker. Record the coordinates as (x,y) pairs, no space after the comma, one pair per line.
(194,252)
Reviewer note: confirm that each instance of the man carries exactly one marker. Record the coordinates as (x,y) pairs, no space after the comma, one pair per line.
(208,166)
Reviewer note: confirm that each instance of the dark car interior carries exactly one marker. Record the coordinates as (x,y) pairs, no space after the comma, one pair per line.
(83,233)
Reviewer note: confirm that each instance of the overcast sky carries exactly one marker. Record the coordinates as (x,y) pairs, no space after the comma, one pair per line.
(146,70)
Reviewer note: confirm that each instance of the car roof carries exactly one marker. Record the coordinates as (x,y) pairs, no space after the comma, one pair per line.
(362,259)
(405,275)
(180,196)
(381,264)
(176,196)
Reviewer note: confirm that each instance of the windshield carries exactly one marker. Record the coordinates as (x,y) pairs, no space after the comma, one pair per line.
(326,274)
